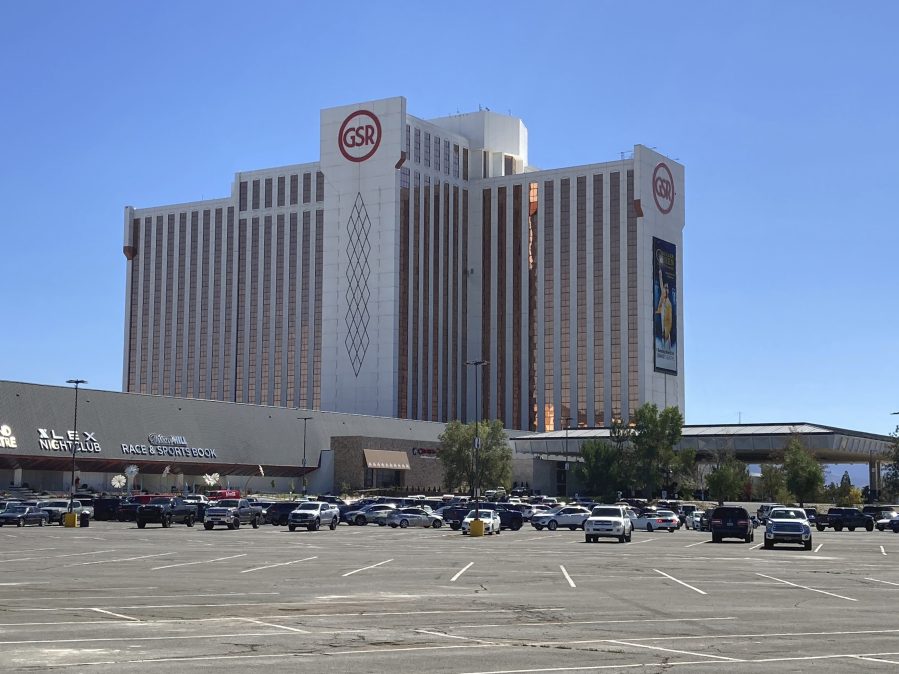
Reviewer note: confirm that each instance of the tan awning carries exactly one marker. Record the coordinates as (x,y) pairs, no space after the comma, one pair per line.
(384,458)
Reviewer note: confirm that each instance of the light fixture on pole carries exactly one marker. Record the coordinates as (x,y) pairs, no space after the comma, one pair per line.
(477,437)
(77,383)
(304,420)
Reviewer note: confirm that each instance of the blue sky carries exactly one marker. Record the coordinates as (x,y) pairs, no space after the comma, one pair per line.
(784,114)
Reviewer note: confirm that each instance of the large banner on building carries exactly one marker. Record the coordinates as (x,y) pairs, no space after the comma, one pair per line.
(664,296)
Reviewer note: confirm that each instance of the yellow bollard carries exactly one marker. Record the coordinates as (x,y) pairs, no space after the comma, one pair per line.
(476,528)
(70,520)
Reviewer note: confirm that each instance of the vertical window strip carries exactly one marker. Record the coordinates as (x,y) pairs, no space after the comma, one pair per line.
(292,322)
(615,290)
(145,357)
(216,393)
(549,409)
(435,328)
(305,313)
(533,250)
(253,341)
(183,307)
(165,380)
(319,261)
(517,384)
(454,349)
(155,369)
(133,304)
(416,297)
(565,298)
(265,353)
(203,279)
(403,340)
(502,264)
(426,306)
(633,322)
(487,309)
(444,416)
(229,367)
(192,308)
(581,300)
(241,328)
(464,333)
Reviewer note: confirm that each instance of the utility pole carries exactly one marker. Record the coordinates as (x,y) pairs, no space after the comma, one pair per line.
(76,382)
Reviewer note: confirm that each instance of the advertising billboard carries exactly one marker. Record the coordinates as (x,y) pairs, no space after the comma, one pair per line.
(664,305)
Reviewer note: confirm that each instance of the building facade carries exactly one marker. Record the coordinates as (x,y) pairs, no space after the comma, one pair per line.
(364,283)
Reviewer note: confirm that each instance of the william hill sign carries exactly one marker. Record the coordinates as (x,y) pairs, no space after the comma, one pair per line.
(169,445)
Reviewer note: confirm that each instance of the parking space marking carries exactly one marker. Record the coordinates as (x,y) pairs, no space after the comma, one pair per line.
(453,636)
(567,577)
(645,540)
(76,554)
(805,587)
(756,546)
(117,615)
(687,585)
(136,637)
(820,545)
(202,561)
(25,552)
(134,596)
(885,582)
(464,569)
(871,659)
(272,566)
(365,568)
(882,551)
(672,650)
(595,622)
(282,627)
(693,545)
(124,559)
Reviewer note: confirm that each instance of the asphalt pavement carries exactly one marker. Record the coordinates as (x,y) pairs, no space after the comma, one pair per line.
(113,598)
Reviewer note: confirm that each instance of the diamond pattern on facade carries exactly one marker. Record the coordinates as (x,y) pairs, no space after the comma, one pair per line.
(357,292)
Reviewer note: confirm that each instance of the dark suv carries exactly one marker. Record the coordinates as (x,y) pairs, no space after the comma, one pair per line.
(731,522)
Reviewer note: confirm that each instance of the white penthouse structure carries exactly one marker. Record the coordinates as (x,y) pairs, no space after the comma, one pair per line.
(365,281)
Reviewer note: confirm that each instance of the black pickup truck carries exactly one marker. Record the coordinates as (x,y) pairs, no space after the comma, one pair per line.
(510,516)
(844,518)
(166,511)
(454,514)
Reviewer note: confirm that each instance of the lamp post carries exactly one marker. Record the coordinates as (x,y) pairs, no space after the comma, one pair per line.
(477,364)
(567,422)
(304,420)
(77,383)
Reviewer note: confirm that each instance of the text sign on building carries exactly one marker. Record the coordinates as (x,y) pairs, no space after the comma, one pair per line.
(169,445)
(359,135)
(7,439)
(79,441)
(663,188)
(664,304)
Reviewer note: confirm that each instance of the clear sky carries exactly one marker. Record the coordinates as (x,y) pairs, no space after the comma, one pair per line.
(784,114)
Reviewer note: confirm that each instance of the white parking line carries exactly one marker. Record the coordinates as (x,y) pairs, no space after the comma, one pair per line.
(756,546)
(464,569)
(882,551)
(117,615)
(124,559)
(567,577)
(282,627)
(695,589)
(672,650)
(885,582)
(272,566)
(202,561)
(645,540)
(870,659)
(805,587)
(365,568)
(693,545)
(820,545)
(25,552)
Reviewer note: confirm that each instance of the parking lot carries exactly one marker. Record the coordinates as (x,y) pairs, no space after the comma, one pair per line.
(373,599)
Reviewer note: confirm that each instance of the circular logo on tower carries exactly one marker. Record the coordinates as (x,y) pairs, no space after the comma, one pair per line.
(663,188)
(359,135)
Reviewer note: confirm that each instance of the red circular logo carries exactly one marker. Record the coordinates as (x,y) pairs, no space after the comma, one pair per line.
(663,188)
(359,135)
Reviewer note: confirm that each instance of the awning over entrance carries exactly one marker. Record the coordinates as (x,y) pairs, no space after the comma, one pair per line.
(384,458)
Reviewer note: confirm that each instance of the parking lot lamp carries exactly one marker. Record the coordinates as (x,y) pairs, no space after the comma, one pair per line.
(477,364)
(76,382)
(304,420)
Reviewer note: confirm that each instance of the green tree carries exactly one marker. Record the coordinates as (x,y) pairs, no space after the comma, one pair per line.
(457,456)
(655,434)
(774,483)
(803,474)
(728,479)
(601,470)
(845,494)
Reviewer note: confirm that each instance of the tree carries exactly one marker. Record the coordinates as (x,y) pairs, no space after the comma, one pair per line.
(727,480)
(845,494)
(655,434)
(457,456)
(804,475)
(774,483)
(601,470)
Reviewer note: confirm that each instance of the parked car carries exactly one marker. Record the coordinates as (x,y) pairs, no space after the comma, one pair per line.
(608,521)
(279,512)
(490,518)
(453,514)
(57,509)
(660,519)
(127,510)
(731,522)
(705,521)
(376,512)
(883,519)
(106,507)
(232,512)
(166,510)
(6,504)
(788,525)
(765,508)
(811,514)
(692,520)
(845,518)
(21,516)
(509,514)
(312,514)
(572,517)
(413,517)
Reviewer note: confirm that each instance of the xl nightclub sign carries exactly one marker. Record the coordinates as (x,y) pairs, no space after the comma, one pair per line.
(175,446)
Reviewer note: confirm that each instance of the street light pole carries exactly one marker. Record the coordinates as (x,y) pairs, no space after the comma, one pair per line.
(567,422)
(477,437)
(76,382)
(304,419)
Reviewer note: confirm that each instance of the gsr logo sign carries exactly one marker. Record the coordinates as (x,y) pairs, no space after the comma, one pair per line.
(663,188)
(359,135)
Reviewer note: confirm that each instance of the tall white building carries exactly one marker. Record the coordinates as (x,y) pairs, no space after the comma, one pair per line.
(364,282)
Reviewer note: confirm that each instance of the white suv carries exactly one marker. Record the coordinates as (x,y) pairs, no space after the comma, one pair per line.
(312,514)
(609,521)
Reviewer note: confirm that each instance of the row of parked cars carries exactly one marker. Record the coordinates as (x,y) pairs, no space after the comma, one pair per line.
(39,512)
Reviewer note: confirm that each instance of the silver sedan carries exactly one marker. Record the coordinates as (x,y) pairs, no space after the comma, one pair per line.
(413,517)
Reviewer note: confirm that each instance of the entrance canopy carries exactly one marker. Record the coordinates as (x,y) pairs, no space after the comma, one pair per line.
(384,458)
(753,443)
